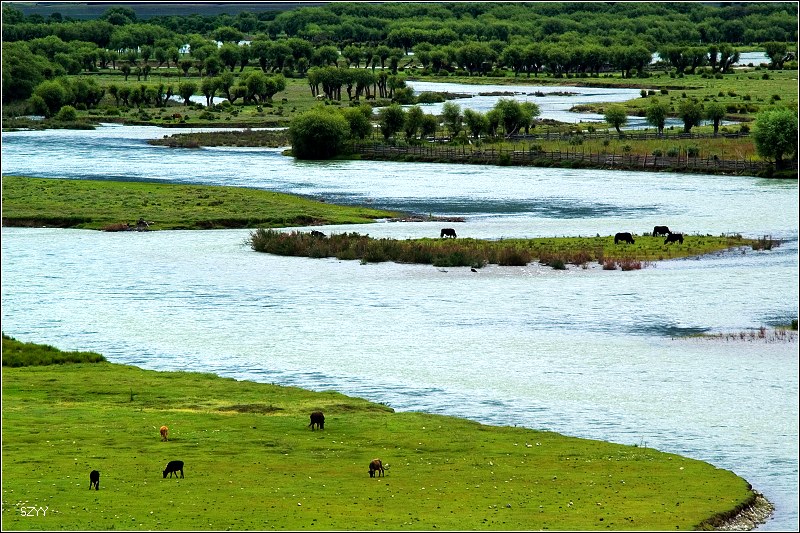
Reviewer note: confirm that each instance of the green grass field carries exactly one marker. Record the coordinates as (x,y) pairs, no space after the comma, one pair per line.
(251,462)
(77,204)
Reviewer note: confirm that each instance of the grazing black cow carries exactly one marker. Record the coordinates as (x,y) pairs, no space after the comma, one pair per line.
(174,466)
(94,480)
(623,237)
(315,233)
(661,230)
(376,466)
(674,237)
(448,232)
(318,420)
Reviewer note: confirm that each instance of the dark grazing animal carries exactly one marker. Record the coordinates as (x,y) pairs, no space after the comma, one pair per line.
(448,232)
(376,466)
(94,480)
(174,466)
(661,230)
(623,237)
(674,237)
(318,420)
(315,233)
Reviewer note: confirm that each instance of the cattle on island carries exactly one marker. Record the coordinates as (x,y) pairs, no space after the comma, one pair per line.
(448,232)
(674,237)
(623,237)
(661,230)
(315,233)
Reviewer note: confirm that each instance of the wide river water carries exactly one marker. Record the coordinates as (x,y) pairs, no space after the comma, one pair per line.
(585,352)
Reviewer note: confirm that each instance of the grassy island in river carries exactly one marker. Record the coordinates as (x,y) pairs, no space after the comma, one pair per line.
(252,462)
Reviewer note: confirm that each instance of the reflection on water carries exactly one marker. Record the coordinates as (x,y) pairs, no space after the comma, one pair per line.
(585,352)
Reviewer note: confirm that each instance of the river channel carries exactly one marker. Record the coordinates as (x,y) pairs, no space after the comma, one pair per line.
(586,352)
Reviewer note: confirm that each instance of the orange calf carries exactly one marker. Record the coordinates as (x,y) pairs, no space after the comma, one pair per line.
(164,430)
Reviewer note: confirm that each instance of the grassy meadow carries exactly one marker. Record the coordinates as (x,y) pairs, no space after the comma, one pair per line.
(251,462)
(91,204)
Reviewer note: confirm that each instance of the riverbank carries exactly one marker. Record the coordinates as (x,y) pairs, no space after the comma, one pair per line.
(253,462)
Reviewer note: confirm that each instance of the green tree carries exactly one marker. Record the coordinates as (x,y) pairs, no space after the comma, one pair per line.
(691,112)
(391,120)
(360,120)
(510,114)
(67,113)
(715,112)
(451,116)
(209,88)
(656,114)
(413,121)
(227,34)
(186,89)
(429,126)
(775,134)
(776,52)
(53,94)
(476,123)
(616,116)
(319,133)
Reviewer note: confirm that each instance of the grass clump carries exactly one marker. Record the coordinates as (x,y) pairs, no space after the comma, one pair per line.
(252,463)
(17,354)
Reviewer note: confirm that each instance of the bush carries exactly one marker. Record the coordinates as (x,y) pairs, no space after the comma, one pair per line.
(693,151)
(318,134)
(66,114)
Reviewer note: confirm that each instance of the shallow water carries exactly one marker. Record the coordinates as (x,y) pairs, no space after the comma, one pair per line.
(585,352)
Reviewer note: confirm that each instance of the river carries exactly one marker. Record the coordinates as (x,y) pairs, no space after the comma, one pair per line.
(585,352)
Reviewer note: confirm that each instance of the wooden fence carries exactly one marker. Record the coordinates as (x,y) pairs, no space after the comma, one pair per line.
(493,156)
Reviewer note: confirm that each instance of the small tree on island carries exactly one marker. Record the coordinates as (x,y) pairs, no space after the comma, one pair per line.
(617,117)
(656,114)
(319,133)
(775,134)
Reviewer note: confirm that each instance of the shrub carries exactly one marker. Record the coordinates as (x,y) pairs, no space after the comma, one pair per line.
(657,152)
(66,114)
(693,151)
(673,152)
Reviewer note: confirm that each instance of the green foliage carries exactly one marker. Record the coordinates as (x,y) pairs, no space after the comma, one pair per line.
(66,114)
(391,120)
(19,354)
(775,134)
(318,134)
(616,116)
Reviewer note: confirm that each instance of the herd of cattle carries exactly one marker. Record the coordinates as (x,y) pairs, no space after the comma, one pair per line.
(176,467)
(657,232)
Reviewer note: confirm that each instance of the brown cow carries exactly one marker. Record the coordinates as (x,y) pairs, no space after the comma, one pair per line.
(376,466)
(318,420)
(164,430)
